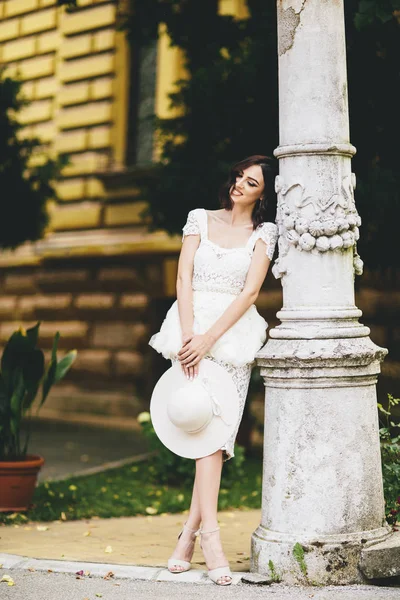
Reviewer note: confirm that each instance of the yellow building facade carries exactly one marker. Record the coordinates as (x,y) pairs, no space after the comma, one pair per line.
(98,276)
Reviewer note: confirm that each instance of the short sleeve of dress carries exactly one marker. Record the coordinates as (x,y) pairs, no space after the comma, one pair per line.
(192,226)
(268,233)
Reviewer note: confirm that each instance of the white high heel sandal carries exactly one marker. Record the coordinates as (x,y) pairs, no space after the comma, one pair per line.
(184,565)
(217,574)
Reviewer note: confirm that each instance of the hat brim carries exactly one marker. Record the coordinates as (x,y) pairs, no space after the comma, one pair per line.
(218,431)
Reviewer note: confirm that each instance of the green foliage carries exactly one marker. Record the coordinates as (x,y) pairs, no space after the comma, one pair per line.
(23,370)
(25,190)
(373,50)
(228,107)
(128,491)
(390,452)
(274,575)
(171,469)
(298,553)
(371,11)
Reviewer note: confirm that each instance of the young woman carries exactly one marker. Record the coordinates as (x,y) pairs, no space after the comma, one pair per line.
(223,262)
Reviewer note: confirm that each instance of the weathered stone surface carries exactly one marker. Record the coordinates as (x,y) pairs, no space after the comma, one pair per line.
(322,498)
(28,306)
(19,283)
(118,335)
(95,301)
(62,278)
(128,363)
(134,301)
(382,560)
(117,274)
(7,306)
(257,579)
(93,361)
(80,402)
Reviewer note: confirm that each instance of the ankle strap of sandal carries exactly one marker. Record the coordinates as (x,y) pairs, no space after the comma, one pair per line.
(195,531)
(210,531)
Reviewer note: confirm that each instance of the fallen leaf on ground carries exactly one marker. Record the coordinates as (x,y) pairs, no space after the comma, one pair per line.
(79,572)
(7,579)
(151,510)
(109,575)
(99,595)
(42,528)
(108,549)
(87,533)
(31,569)
(49,570)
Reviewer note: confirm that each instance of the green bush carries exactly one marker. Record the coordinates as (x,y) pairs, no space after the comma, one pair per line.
(390,452)
(170,469)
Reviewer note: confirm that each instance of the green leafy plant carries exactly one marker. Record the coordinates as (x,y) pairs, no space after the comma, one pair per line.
(26,184)
(390,452)
(298,553)
(23,373)
(171,469)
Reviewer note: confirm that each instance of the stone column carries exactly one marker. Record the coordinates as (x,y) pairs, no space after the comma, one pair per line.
(322,481)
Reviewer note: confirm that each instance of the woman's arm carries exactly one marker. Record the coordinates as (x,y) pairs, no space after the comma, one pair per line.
(184,290)
(193,351)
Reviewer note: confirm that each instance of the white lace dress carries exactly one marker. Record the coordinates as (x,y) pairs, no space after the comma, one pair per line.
(219,275)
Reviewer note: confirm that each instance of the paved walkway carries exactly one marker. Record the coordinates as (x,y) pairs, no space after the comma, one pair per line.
(71,448)
(34,585)
(126,540)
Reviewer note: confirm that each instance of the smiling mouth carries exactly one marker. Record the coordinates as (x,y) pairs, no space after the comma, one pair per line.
(235,192)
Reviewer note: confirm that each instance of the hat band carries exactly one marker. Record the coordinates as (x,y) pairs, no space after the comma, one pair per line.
(216,407)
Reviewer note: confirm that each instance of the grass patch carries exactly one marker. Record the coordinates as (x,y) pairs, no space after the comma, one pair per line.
(129,491)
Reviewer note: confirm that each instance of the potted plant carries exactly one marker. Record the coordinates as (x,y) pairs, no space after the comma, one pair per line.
(23,376)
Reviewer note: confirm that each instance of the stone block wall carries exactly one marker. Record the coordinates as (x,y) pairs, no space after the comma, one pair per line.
(107,310)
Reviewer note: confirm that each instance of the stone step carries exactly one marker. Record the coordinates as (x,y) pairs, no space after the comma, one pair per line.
(382,560)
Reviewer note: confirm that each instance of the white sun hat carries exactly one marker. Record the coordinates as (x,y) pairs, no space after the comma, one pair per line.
(195,418)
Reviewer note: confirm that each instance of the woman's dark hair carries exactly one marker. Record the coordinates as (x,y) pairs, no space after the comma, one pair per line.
(265,208)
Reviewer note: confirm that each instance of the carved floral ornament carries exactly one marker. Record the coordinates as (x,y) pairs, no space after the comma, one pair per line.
(333,225)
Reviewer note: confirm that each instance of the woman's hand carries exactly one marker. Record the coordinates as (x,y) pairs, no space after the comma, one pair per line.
(194,350)
(189,372)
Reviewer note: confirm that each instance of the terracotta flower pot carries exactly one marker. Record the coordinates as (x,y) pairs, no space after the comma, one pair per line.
(18,481)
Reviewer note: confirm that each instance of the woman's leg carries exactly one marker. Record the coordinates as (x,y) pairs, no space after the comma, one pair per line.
(203,508)
(184,547)
(208,479)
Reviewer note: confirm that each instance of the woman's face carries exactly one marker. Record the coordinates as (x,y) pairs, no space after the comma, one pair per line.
(248,186)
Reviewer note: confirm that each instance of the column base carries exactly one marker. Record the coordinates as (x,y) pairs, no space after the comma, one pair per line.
(322,560)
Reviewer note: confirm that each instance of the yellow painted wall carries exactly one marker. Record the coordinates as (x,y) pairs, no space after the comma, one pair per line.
(75,69)
(74,72)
